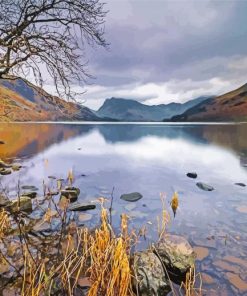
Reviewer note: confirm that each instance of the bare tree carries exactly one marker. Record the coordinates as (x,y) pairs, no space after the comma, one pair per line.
(52,35)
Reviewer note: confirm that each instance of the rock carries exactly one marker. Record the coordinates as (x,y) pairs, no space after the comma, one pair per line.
(201,252)
(242,209)
(192,175)
(4,201)
(226,266)
(5,172)
(85,217)
(23,204)
(207,279)
(204,186)
(240,184)
(132,197)
(81,207)
(71,193)
(4,165)
(2,142)
(176,254)
(150,275)
(52,177)
(16,167)
(237,282)
(31,194)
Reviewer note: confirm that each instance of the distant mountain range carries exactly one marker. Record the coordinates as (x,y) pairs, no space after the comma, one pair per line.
(131,110)
(22,101)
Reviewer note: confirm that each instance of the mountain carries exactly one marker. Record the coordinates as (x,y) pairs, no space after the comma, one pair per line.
(131,110)
(231,106)
(22,101)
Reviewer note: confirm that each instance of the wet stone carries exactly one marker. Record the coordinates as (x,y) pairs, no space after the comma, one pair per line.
(71,193)
(240,184)
(22,204)
(81,207)
(204,186)
(192,175)
(29,187)
(150,275)
(176,254)
(31,194)
(5,172)
(131,197)
(201,252)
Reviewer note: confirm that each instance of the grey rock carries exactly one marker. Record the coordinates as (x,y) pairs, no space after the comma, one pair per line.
(176,254)
(132,197)
(150,277)
(81,207)
(240,184)
(204,186)
(192,175)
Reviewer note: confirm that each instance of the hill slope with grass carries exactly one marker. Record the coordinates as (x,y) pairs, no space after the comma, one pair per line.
(22,101)
(231,106)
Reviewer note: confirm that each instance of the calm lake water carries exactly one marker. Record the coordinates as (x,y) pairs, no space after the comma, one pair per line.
(150,159)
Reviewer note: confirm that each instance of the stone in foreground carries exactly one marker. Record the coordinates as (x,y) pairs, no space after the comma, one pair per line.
(176,254)
(81,207)
(71,193)
(132,197)
(23,204)
(151,279)
(192,175)
(4,201)
(5,172)
(31,194)
(204,186)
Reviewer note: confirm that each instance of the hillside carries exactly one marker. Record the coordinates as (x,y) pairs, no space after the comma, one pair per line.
(22,101)
(131,110)
(231,106)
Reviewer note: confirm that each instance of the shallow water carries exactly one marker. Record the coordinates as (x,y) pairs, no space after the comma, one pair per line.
(150,159)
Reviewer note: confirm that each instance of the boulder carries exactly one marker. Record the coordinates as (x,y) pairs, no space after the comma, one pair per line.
(204,186)
(81,207)
(176,254)
(149,274)
(192,175)
(24,203)
(70,193)
(132,197)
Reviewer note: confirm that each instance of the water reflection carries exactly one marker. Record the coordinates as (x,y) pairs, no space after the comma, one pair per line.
(149,159)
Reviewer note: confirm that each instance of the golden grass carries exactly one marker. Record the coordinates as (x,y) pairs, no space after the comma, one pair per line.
(4,223)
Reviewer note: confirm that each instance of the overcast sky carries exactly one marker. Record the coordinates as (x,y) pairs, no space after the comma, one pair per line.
(163,51)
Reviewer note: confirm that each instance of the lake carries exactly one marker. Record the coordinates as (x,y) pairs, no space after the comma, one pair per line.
(150,159)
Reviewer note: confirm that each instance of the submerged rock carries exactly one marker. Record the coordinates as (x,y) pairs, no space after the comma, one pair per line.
(16,167)
(81,207)
(31,194)
(29,187)
(5,172)
(2,142)
(240,184)
(192,175)
(24,203)
(176,254)
(204,186)
(132,197)
(71,193)
(150,275)
(4,201)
